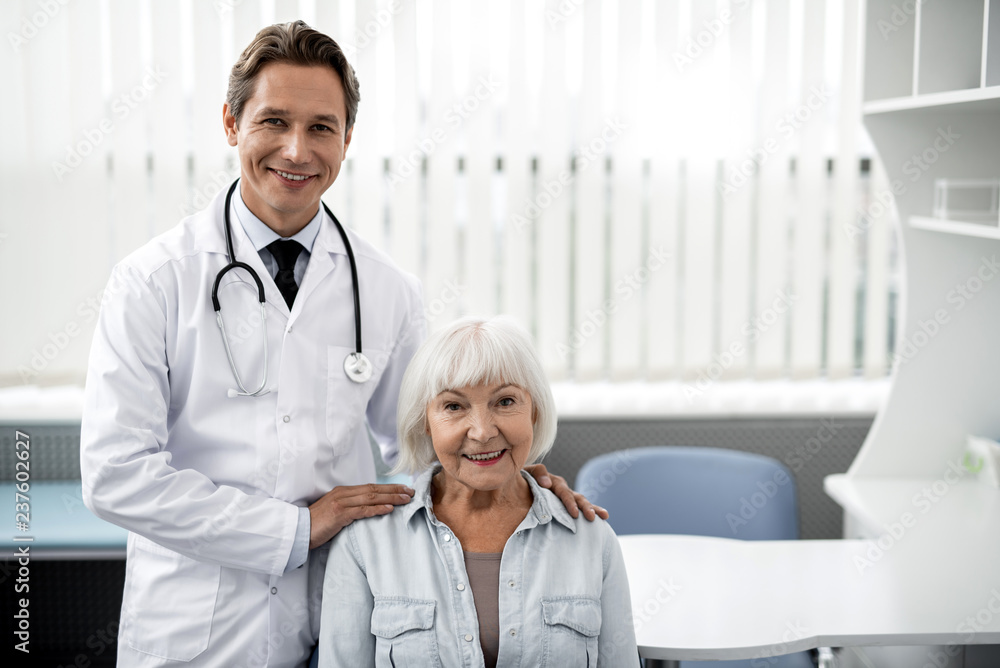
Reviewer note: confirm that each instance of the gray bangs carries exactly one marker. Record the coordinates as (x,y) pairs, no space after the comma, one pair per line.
(475,356)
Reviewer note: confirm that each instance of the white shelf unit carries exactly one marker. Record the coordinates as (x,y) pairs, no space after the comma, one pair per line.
(931,116)
(932,108)
(923,48)
(970,100)
(955,227)
(991,54)
(949,46)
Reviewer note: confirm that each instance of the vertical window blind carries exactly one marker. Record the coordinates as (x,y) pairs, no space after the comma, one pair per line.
(657,190)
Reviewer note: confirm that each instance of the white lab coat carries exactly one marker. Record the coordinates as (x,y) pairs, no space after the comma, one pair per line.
(210,486)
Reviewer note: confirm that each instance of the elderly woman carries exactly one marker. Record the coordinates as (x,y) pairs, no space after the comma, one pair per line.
(483,567)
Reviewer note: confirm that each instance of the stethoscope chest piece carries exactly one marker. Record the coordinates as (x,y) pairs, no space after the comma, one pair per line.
(358,368)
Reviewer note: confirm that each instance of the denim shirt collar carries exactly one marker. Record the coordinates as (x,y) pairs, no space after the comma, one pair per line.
(545,507)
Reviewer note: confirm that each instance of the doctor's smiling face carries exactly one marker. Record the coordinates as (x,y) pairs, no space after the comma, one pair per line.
(292,140)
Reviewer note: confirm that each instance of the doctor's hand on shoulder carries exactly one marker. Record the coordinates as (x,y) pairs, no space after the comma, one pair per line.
(342,505)
(574,501)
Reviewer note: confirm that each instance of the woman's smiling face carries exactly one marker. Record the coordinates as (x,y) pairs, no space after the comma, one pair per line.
(482,434)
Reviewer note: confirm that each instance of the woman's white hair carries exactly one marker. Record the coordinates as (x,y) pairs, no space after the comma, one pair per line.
(470,352)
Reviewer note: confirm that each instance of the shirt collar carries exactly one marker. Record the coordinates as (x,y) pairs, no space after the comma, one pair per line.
(544,508)
(261,235)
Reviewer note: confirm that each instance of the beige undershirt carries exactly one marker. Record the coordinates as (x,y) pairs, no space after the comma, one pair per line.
(484,579)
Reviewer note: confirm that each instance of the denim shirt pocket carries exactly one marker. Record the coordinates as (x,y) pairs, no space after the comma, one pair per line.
(404,632)
(570,630)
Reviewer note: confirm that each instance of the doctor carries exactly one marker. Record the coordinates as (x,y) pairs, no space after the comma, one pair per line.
(229,458)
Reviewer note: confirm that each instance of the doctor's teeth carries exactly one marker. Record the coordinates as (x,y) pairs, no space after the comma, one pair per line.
(291,177)
(488,455)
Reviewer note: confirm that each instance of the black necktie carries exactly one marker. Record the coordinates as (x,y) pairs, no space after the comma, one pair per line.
(285,252)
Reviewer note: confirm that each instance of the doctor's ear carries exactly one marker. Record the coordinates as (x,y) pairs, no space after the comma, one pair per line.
(229,124)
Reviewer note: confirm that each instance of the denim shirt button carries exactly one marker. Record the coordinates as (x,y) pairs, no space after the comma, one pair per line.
(513,632)
(461,587)
(468,637)
(511,583)
(447,537)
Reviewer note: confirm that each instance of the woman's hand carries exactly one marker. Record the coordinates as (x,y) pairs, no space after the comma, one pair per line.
(574,501)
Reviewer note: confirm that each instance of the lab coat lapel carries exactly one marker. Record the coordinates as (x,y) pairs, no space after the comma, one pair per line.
(328,244)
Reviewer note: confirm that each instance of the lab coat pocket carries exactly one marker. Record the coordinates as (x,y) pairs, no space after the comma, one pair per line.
(346,400)
(404,633)
(169,602)
(571,627)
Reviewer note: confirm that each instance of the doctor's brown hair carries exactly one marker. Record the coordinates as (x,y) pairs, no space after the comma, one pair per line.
(294,43)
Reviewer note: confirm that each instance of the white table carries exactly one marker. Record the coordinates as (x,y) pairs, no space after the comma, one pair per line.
(716,598)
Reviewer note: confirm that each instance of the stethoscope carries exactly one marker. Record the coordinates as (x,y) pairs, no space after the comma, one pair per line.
(356,365)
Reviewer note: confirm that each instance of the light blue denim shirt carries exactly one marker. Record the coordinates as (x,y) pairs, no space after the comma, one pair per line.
(396,592)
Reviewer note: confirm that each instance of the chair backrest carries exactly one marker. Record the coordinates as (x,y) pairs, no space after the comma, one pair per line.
(697,491)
